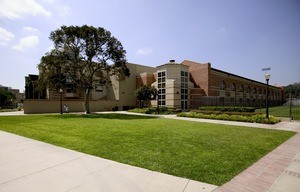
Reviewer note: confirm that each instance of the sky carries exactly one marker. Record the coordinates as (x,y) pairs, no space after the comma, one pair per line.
(236,36)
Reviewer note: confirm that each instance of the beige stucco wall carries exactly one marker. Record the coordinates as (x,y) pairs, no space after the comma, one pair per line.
(34,106)
(127,88)
(173,84)
(117,94)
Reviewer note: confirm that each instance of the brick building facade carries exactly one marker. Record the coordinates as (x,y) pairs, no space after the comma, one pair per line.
(180,85)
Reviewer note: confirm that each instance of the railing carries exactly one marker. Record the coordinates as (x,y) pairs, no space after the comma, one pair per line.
(225,101)
(289,109)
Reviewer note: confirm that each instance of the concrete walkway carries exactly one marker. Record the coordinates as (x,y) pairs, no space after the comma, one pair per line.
(29,165)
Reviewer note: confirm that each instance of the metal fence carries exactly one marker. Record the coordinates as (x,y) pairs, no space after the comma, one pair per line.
(289,108)
(223,101)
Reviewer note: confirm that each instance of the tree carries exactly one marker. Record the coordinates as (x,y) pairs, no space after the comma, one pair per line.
(146,93)
(293,89)
(6,97)
(52,74)
(86,56)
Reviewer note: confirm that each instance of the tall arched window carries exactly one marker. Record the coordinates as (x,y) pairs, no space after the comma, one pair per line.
(248,89)
(232,87)
(223,85)
(241,89)
(254,90)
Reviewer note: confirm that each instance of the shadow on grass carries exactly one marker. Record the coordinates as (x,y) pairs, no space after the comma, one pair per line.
(104,116)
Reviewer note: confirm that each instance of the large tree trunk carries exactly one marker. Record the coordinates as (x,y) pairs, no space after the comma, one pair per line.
(87,101)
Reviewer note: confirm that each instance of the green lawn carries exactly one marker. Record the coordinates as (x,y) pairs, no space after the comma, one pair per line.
(283,111)
(205,152)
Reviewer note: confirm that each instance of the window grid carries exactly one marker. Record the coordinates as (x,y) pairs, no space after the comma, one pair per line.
(161,88)
(184,89)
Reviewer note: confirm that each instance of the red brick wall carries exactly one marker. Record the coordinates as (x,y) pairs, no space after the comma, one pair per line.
(209,80)
(216,77)
(199,75)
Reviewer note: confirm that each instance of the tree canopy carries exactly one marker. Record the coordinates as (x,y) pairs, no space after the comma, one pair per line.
(146,93)
(84,56)
(294,89)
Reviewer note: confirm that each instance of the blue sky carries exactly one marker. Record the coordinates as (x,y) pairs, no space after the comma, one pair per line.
(237,36)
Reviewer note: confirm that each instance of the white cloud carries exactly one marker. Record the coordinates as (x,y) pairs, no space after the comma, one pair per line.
(14,9)
(144,51)
(26,42)
(30,29)
(5,36)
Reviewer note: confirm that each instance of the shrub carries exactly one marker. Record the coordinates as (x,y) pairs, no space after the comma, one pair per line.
(227,109)
(227,112)
(258,118)
(154,110)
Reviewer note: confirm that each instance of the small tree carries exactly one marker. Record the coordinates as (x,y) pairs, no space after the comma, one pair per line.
(87,56)
(6,97)
(146,93)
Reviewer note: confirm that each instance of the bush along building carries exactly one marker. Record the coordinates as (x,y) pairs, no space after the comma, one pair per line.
(183,86)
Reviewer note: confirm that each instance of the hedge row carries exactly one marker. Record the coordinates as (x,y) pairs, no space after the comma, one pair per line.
(154,110)
(227,109)
(253,119)
(227,112)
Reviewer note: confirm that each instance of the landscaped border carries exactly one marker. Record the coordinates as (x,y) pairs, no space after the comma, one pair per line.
(258,118)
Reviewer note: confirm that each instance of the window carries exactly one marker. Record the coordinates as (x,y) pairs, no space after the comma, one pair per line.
(98,88)
(248,89)
(254,90)
(68,79)
(184,89)
(223,85)
(161,88)
(232,87)
(241,89)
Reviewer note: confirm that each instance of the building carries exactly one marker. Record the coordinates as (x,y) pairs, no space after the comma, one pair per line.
(216,87)
(31,88)
(183,85)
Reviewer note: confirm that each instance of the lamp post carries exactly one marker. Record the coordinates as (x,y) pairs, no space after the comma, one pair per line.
(61,91)
(267,76)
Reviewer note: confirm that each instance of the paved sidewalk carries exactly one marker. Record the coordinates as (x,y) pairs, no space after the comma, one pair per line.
(29,165)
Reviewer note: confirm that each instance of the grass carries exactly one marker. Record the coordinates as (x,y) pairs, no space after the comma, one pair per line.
(283,111)
(200,151)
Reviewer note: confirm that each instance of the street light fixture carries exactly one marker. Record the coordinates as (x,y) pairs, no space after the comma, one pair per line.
(267,76)
(61,91)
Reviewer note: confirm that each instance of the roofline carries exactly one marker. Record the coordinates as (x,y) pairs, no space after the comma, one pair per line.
(231,74)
